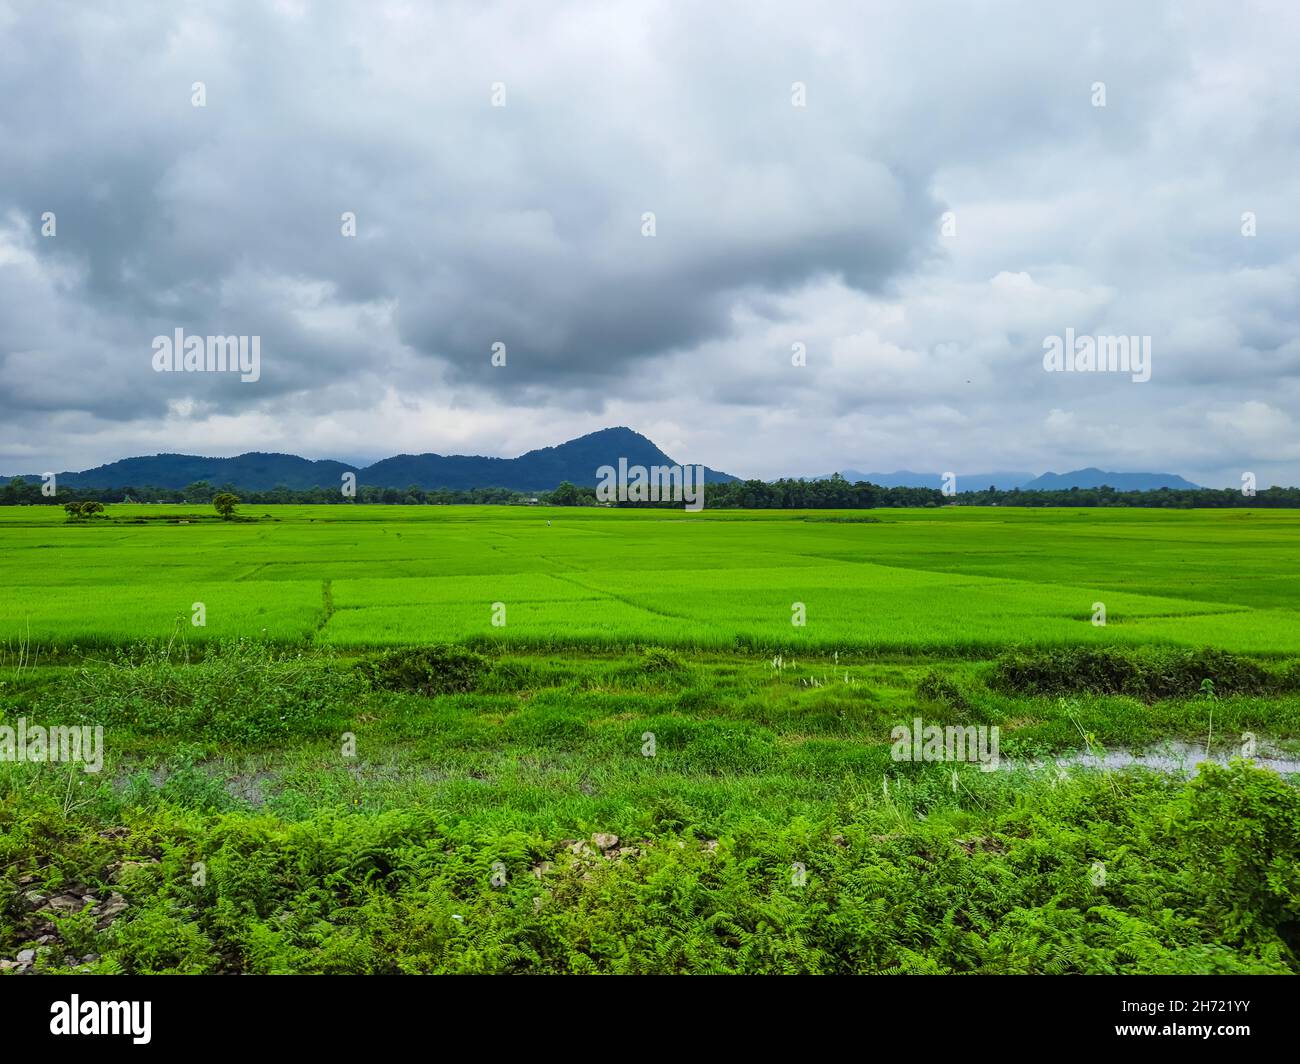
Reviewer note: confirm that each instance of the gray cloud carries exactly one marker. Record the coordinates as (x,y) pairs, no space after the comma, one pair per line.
(775,225)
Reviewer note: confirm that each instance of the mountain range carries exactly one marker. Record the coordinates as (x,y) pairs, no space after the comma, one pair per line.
(1079,478)
(1096,478)
(905,478)
(541,470)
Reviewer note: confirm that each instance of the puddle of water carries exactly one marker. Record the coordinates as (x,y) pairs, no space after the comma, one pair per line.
(1169,757)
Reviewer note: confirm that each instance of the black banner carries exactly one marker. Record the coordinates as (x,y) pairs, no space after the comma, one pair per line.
(337,1013)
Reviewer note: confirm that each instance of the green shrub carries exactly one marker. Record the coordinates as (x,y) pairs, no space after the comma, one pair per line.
(432,670)
(656,661)
(937,688)
(1145,673)
(157,942)
(1240,827)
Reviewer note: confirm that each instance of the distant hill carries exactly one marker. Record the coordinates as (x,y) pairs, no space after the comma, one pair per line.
(1096,478)
(257,471)
(575,461)
(1079,478)
(905,478)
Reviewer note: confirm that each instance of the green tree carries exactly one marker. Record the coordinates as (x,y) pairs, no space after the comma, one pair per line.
(565,495)
(19,491)
(225,502)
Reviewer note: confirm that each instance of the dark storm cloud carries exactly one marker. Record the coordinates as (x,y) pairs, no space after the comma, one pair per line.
(479,222)
(775,224)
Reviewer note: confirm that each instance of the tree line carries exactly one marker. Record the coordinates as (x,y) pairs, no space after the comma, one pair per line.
(23,492)
(837,493)
(786,494)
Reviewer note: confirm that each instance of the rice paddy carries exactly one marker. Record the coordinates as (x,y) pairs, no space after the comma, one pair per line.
(952,580)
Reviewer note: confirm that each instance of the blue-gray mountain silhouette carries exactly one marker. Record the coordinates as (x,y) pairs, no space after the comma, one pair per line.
(905,478)
(1099,478)
(575,461)
(1079,478)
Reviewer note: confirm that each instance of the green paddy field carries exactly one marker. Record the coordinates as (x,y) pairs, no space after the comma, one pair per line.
(947,580)
(648,768)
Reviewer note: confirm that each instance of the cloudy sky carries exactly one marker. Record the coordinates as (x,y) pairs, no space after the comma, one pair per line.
(918,194)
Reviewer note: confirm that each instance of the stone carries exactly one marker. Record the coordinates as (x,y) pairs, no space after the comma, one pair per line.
(67,903)
(108,912)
